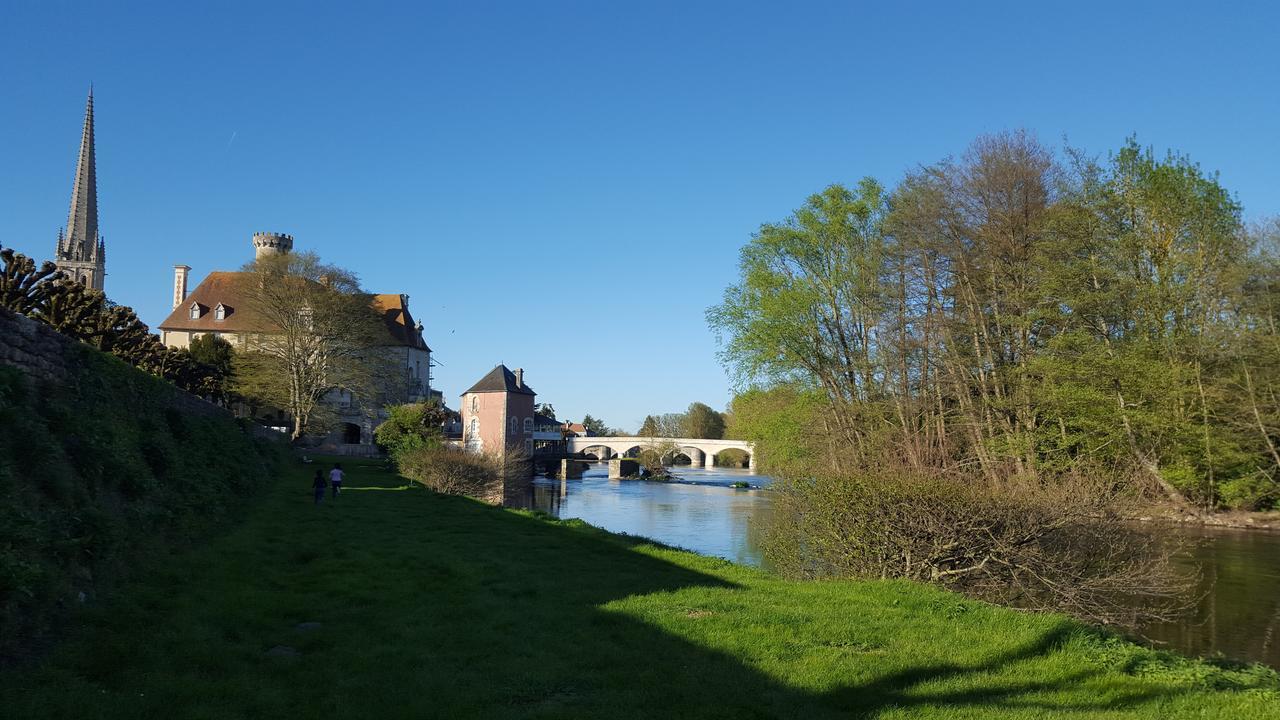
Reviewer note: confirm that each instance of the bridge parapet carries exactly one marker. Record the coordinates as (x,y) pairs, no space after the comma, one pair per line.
(623,444)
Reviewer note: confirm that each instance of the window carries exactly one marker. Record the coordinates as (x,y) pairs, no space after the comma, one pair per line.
(473,436)
(528,425)
(475,403)
(195,311)
(528,446)
(515,427)
(220,312)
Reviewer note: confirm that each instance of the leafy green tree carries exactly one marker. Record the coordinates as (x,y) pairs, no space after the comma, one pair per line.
(409,427)
(546,409)
(212,350)
(595,426)
(1005,336)
(700,421)
(217,355)
(649,428)
(809,301)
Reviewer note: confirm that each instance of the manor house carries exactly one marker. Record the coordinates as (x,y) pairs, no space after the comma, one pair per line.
(216,307)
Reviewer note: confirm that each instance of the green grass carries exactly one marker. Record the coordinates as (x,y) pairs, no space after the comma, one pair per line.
(434,606)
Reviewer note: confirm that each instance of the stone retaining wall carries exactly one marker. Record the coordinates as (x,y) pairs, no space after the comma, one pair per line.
(45,355)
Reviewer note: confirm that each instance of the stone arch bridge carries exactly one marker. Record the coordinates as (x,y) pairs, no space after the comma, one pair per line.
(700,452)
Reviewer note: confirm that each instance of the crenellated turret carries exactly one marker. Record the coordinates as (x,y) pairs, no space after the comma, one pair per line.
(270,243)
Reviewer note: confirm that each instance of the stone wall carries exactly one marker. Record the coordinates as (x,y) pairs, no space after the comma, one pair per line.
(45,355)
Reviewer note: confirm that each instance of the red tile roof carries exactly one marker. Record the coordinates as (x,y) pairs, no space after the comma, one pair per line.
(217,287)
(223,287)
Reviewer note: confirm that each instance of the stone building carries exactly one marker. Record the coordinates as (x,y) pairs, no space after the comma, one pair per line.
(497,413)
(216,307)
(81,252)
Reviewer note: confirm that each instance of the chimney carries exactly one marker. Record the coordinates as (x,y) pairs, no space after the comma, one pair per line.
(180,284)
(520,377)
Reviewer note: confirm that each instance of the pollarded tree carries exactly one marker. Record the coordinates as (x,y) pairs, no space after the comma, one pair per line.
(23,287)
(73,309)
(314,332)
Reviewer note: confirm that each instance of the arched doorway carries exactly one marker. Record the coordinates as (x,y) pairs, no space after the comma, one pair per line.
(350,433)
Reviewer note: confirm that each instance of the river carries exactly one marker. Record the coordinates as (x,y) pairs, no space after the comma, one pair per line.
(1236,617)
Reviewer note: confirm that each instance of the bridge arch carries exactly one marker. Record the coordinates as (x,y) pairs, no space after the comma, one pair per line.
(695,449)
(735,457)
(696,456)
(599,450)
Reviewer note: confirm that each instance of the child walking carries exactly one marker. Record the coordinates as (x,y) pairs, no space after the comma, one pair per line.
(317,484)
(335,478)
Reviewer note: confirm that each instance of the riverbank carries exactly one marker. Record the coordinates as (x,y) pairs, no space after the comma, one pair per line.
(396,602)
(1235,519)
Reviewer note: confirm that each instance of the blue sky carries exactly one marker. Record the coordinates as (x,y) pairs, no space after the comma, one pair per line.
(565,186)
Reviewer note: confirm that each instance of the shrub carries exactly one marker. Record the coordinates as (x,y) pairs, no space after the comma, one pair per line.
(1062,545)
(456,472)
(451,471)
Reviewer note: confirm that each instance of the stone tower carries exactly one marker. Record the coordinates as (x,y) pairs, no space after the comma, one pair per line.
(82,252)
(268,243)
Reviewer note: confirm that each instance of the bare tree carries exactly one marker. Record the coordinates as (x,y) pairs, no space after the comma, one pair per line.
(314,332)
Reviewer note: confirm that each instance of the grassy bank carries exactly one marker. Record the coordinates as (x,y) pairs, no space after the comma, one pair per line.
(436,606)
(106,470)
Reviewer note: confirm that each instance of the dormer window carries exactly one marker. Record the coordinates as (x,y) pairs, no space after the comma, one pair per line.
(220,312)
(196,311)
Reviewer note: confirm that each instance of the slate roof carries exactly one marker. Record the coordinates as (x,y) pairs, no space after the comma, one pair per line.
(223,287)
(500,379)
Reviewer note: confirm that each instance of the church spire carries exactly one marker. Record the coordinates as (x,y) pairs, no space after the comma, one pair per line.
(81,251)
(82,222)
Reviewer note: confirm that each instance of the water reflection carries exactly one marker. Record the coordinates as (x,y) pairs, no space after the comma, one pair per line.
(700,512)
(1240,583)
(1237,617)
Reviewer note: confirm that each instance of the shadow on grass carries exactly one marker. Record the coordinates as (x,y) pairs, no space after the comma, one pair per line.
(530,594)
(910,688)
(434,606)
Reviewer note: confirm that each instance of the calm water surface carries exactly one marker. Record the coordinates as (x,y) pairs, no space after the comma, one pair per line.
(700,512)
(1237,617)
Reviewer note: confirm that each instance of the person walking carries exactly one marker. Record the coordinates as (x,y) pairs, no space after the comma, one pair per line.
(335,479)
(317,484)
